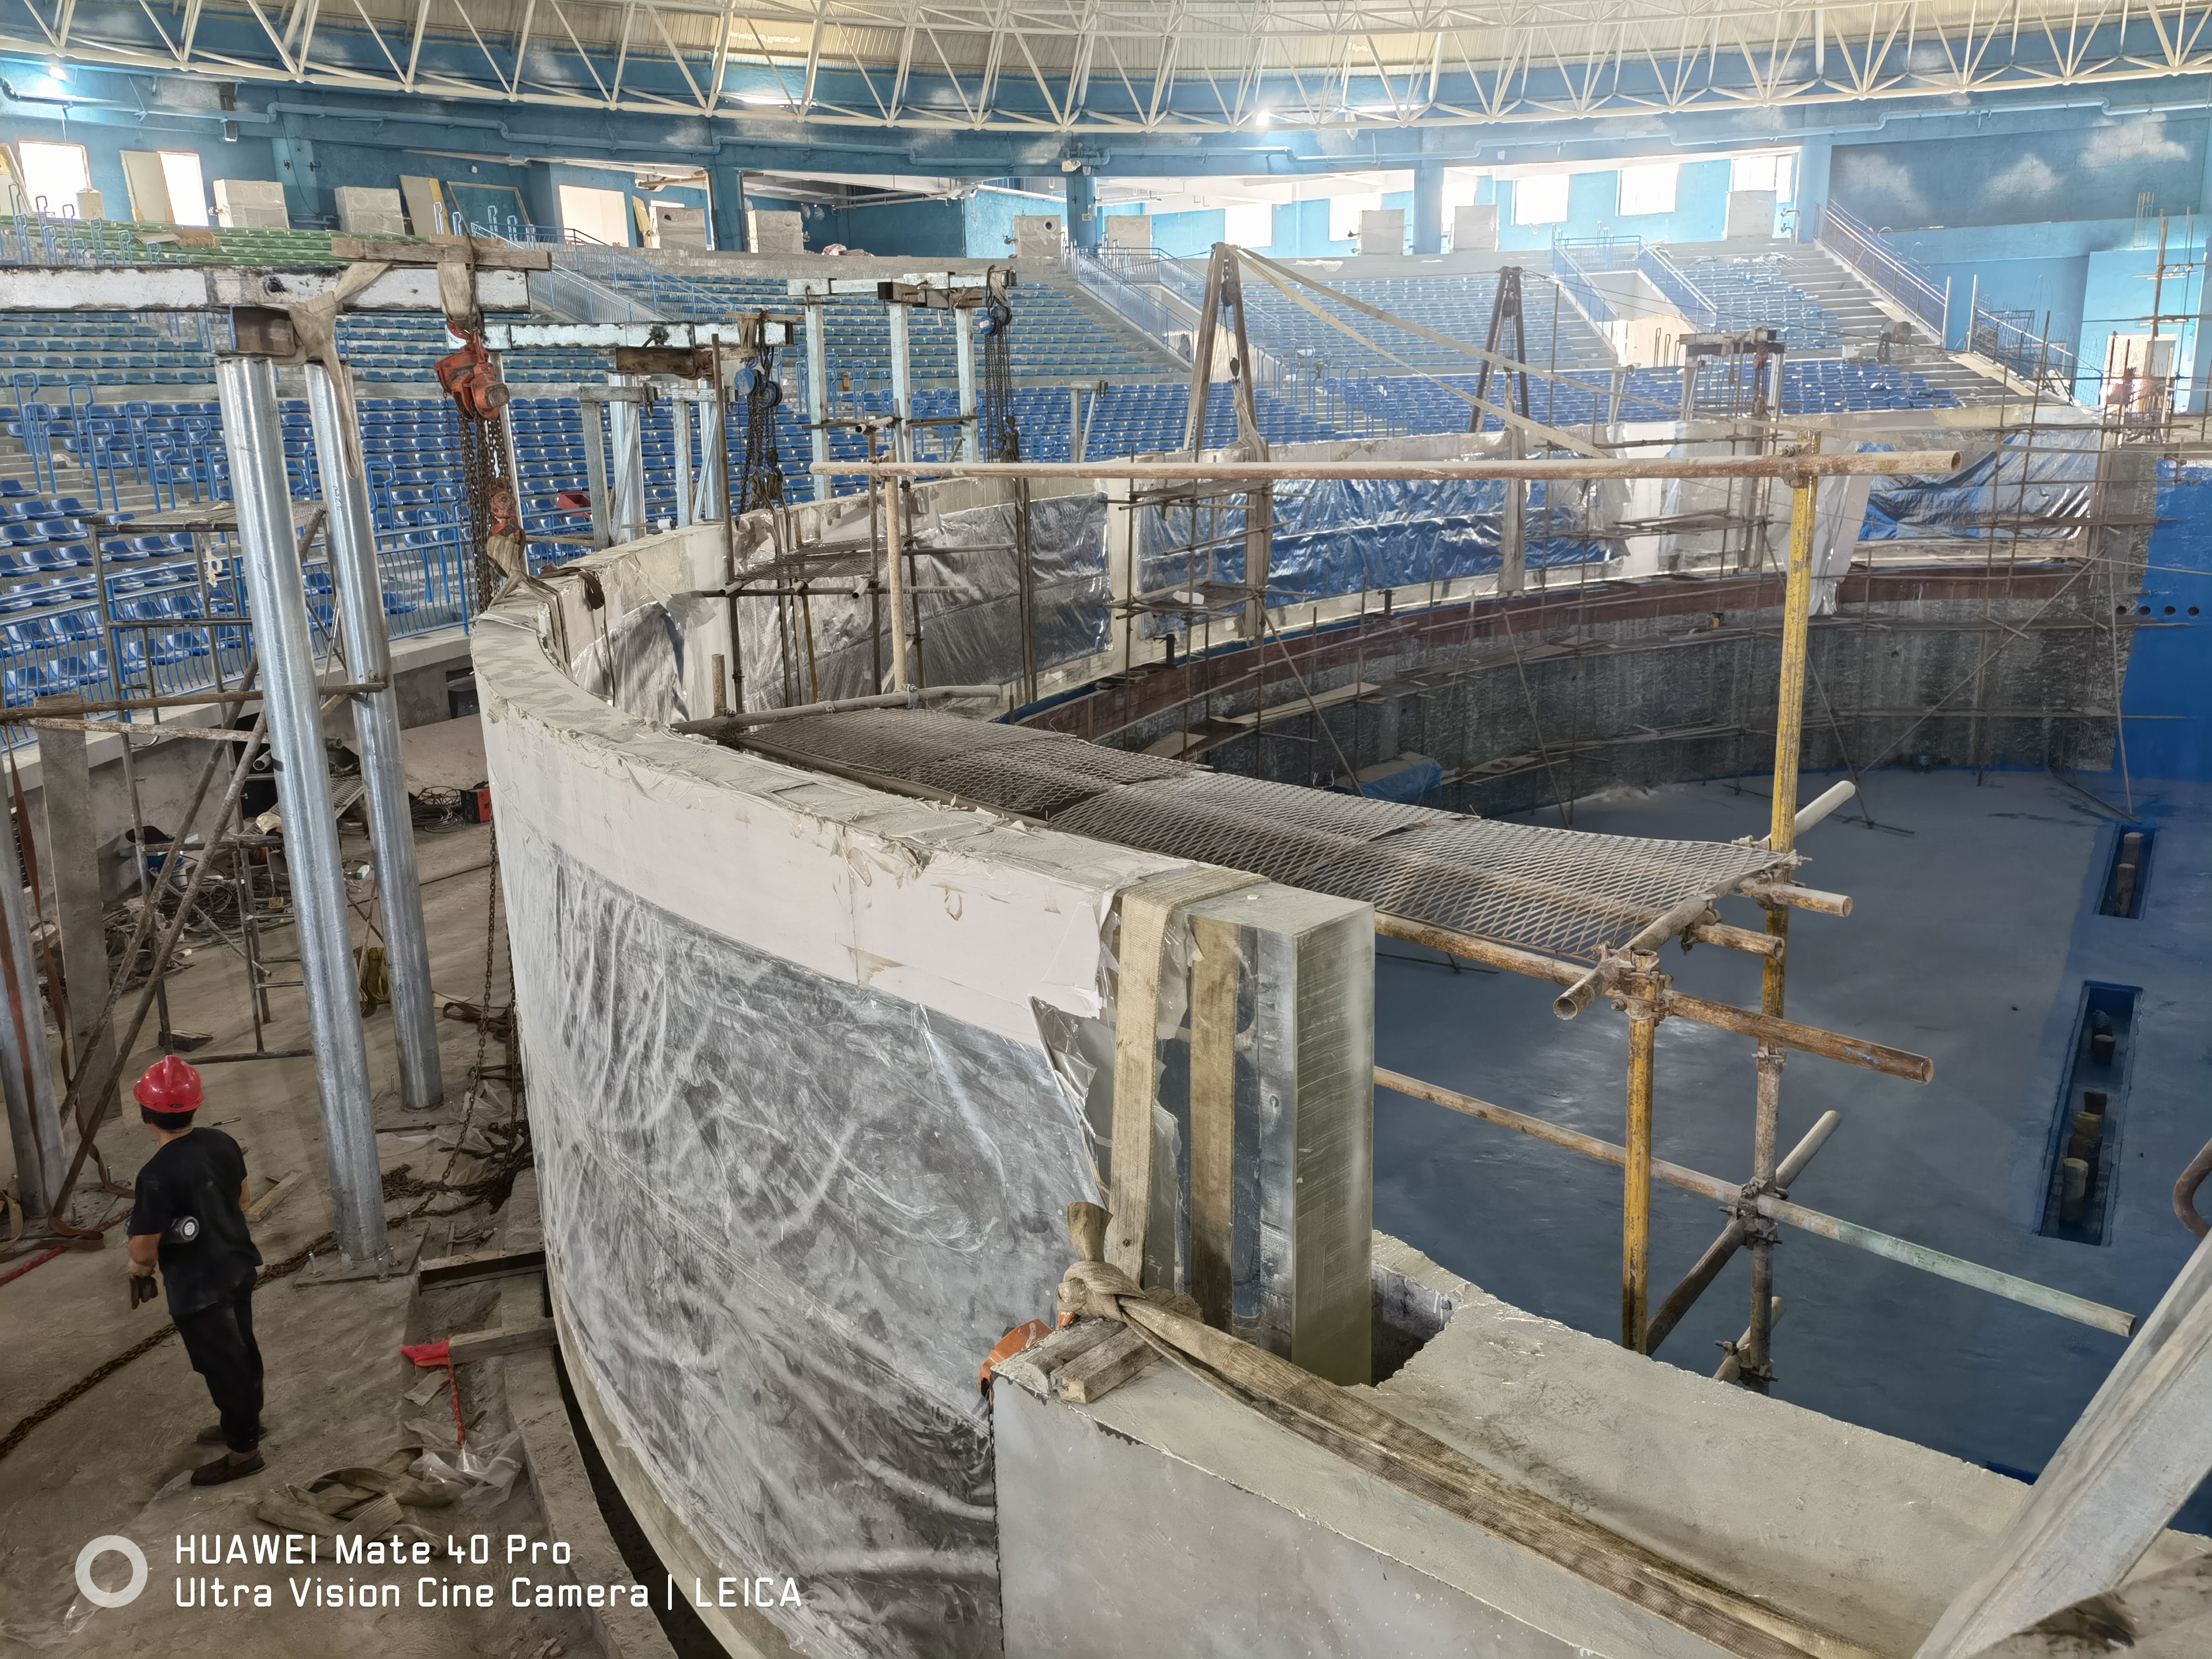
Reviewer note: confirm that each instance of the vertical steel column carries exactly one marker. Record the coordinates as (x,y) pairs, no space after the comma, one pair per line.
(626,433)
(713,472)
(963,347)
(34,1120)
(680,412)
(895,575)
(1513,529)
(1758,1366)
(901,386)
(595,473)
(817,395)
(247,388)
(349,532)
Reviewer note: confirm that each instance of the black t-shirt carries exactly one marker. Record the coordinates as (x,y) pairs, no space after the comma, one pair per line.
(188,1193)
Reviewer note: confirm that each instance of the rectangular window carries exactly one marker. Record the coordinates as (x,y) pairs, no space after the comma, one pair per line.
(1775,172)
(54,173)
(1541,200)
(1649,188)
(1249,224)
(601,214)
(181,171)
(1344,213)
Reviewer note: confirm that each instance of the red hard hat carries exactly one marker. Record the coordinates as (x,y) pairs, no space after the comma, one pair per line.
(169,1086)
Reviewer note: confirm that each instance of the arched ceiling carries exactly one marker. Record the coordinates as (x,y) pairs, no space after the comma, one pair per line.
(1079,67)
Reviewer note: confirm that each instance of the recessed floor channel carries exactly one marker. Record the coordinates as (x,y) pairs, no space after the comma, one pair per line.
(2018,1005)
(2086,1136)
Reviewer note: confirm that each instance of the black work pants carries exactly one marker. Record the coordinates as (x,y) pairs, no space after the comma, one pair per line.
(220,1340)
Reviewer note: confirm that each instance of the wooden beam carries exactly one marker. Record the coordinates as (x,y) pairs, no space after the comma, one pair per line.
(439,1272)
(1212,1115)
(503,1338)
(1105,1367)
(2131,1459)
(275,1196)
(478,251)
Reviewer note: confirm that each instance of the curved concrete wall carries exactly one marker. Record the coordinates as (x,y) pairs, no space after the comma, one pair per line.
(802,1151)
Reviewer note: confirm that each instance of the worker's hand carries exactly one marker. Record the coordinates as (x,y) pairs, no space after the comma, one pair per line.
(142,1287)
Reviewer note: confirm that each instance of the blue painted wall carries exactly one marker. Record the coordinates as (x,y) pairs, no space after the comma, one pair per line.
(2015,179)
(2170,668)
(987,220)
(248,158)
(1700,214)
(2117,299)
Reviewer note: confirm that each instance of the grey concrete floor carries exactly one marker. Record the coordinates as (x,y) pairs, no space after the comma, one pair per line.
(115,1460)
(1969,942)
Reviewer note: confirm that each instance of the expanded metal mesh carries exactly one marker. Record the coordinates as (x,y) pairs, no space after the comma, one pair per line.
(1565,892)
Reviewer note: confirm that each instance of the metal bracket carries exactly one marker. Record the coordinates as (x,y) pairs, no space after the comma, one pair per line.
(1757,1228)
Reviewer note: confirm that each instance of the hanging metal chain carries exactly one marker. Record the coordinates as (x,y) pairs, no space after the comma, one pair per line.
(488,493)
(995,404)
(760,479)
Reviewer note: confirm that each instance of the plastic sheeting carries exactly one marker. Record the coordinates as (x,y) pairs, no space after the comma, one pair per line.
(788,1217)
(1336,536)
(636,663)
(970,628)
(2035,484)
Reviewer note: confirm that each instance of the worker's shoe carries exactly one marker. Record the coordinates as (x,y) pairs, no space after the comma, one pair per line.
(212,1435)
(223,1469)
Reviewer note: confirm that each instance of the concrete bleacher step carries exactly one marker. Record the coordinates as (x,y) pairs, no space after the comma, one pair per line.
(1862,311)
(1133,339)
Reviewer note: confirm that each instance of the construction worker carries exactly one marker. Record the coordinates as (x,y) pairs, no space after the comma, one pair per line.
(189,1215)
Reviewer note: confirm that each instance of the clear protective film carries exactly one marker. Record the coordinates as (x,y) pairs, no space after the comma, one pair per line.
(788,1217)
(964,582)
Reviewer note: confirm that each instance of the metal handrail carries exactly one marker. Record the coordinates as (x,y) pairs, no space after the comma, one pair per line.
(1859,245)
(1664,274)
(1163,316)
(1573,281)
(668,295)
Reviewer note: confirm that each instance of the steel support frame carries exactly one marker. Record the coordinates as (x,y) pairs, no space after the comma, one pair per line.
(817,394)
(349,533)
(246,388)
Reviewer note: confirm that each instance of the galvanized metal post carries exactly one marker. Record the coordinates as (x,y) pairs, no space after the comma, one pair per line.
(625,432)
(595,473)
(817,394)
(963,347)
(901,386)
(34,1120)
(247,388)
(895,577)
(680,409)
(713,470)
(1757,1356)
(1513,528)
(350,531)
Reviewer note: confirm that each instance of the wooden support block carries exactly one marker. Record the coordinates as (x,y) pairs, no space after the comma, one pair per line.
(275,1196)
(1147,909)
(439,1272)
(1106,1367)
(1034,1368)
(1212,1115)
(503,1339)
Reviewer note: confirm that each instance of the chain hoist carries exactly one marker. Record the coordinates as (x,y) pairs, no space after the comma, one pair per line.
(760,477)
(470,379)
(998,436)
